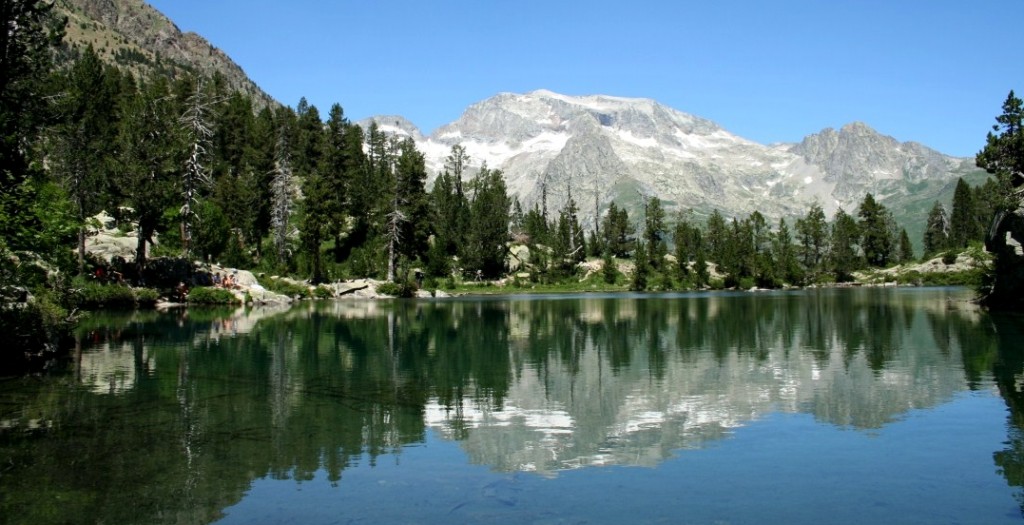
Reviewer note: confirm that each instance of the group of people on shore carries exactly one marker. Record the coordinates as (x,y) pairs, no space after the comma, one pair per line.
(104,276)
(224,281)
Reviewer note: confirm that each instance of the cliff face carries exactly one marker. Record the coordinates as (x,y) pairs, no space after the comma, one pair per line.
(134,35)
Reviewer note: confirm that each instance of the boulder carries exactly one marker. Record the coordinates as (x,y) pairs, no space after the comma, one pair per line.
(1005,241)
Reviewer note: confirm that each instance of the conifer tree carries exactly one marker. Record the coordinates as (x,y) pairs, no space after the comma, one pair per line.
(151,160)
(843,256)
(450,205)
(813,238)
(876,237)
(1003,156)
(936,233)
(641,270)
(906,249)
(486,241)
(608,270)
(654,233)
(784,255)
(716,237)
(412,201)
(619,233)
(84,139)
(964,225)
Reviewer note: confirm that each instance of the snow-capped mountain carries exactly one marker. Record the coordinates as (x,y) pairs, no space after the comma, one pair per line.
(604,148)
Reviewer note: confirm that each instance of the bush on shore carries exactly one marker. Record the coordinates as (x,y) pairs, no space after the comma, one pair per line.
(211,295)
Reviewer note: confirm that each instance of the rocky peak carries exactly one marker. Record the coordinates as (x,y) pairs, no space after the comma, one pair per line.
(856,155)
(395,125)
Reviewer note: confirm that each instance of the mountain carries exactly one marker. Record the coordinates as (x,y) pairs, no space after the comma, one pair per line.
(134,35)
(604,148)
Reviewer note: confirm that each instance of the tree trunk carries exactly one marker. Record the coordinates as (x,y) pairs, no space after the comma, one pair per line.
(140,253)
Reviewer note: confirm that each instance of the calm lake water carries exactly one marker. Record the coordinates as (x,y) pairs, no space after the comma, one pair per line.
(821,406)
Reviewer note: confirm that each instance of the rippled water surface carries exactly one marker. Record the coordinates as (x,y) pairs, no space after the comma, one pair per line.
(827,406)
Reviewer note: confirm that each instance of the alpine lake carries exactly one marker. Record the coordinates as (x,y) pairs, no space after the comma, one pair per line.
(873,405)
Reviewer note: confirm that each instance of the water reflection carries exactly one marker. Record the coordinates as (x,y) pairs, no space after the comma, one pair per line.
(169,417)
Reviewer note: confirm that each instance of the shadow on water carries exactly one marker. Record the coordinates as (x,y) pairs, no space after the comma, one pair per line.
(170,417)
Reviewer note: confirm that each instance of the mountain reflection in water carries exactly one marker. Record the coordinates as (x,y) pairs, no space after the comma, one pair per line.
(194,405)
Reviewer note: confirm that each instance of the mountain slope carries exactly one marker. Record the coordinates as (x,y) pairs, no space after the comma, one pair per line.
(134,35)
(611,148)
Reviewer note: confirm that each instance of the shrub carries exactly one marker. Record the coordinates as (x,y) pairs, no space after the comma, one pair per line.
(949,258)
(323,292)
(397,289)
(284,287)
(211,295)
(145,297)
(95,295)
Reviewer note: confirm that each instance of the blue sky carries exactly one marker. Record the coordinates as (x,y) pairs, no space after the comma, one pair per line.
(932,71)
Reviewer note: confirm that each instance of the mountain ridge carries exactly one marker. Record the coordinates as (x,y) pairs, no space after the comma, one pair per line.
(682,158)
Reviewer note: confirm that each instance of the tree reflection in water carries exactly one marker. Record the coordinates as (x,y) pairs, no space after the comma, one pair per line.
(169,417)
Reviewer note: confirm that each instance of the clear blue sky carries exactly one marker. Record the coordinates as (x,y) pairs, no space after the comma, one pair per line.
(932,71)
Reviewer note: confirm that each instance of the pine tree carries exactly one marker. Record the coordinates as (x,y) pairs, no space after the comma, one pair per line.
(936,233)
(654,233)
(876,237)
(486,242)
(964,226)
(412,201)
(906,249)
(1003,156)
(700,268)
(843,257)
(150,141)
(608,270)
(716,237)
(84,140)
(813,238)
(619,233)
(641,270)
(784,255)
(337,173)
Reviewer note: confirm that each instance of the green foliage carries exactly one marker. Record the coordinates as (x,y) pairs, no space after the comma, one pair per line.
(285,287)
(905,249)
(1003,156)
(93,295)
(609,272)
(843,257)
(965,224)
(936,233)
(402,289)
(32,332)
(619,233)
(876,232)
(323,292)
(211,295)
(641,272)
(486,244)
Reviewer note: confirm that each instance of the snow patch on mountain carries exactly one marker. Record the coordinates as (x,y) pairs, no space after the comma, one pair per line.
(625,149)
